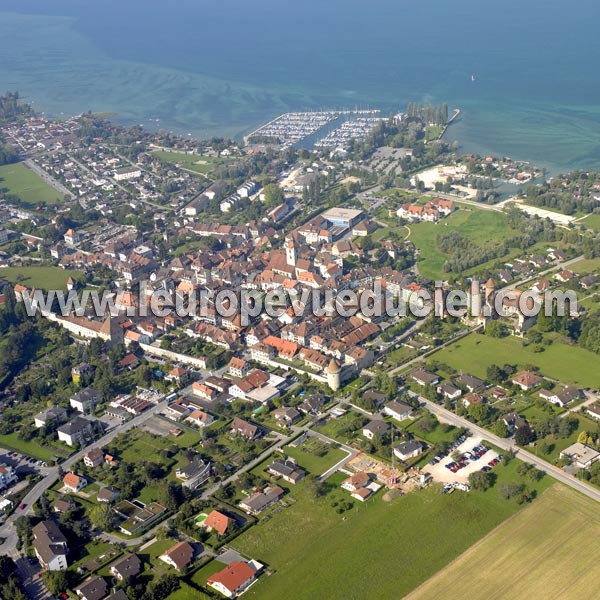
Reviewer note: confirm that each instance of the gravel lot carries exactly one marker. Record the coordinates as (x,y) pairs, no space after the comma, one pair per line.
(440,473)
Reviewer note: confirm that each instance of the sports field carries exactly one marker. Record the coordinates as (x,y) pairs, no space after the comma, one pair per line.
(548,550)
(202,165)
(569,364)
(27,185)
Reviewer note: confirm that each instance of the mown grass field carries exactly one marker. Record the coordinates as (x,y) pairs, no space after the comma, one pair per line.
(48,278)
(374,550)
(480,226)
(27,185)
(202,165)
(546,551)
(569,364)
(586,266)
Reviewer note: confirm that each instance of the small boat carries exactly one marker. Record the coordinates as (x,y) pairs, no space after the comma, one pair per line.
(472,77)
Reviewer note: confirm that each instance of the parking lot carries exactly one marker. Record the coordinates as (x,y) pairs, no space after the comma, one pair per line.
(439,472)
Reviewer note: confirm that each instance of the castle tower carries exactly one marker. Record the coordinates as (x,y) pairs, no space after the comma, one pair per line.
(490,288)
(333,374)
(290,253)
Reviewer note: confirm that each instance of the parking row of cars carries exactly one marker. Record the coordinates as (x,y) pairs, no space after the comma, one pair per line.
(475,454)
(492,463)
(438,457)
(27,459)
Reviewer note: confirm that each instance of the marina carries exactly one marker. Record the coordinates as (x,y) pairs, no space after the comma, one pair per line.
(316,129)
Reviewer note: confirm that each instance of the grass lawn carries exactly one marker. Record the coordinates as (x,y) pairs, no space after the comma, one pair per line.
(479,226)
(584,267)
(374,550)
(12,441)
(569,364)
(591,222)
(27,185)
(440,433)
(310,462)
(48,278)
(202,165)
(187,592)
(536,548)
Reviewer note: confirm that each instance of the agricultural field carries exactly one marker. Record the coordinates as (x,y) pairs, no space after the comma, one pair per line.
(568,364)
(203,165)
(27,185)
(48,278)
(536,547)
(318,551)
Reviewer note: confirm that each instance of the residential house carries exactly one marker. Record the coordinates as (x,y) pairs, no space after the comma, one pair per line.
(74,483)
(245,429)
(93,458)
(85,401)
(582,455)
(55,415)
(75,431)
(94,588)
(238,367)
(259,501)
(397,410)
(594,410)
(195,473)
(423,377)
(562,397)
(108,494)
(179,556)
(8,476)
(357,481)
(514,421)
(219,522)
(50,546)
(409,449)
(126,567)
(287,470)
(448,390)
(526,380)
(286,415)
(375,429)
(200,418)
(233,580)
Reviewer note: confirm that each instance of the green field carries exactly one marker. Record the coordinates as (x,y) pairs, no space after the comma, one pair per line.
(48,278)
(591,222)
(568,364)
(27,185)
(480,226)
(377,549)
(12,441)
(203,165)
(543,552)
(584,267)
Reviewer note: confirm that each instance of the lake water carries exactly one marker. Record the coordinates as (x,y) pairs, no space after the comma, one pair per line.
(208,67)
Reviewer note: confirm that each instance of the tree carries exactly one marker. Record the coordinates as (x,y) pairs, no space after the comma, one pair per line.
(273,195)
(524,435)
(56,581)
(7,568)
(510,490)
(481,481)
(500,428)
(495,329)
(102,516)
(495,374)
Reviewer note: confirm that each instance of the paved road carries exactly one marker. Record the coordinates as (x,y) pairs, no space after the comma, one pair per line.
(57,185)
(507,444)
(7,530)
